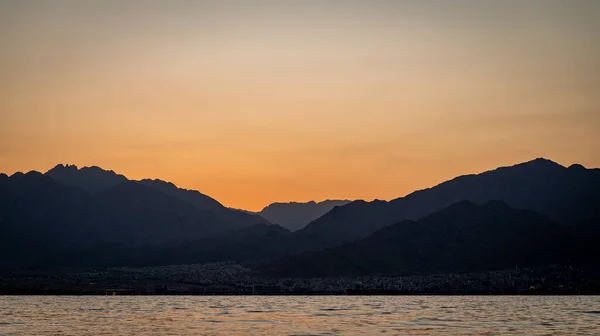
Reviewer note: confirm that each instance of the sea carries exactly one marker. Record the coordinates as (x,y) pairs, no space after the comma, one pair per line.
(299,315)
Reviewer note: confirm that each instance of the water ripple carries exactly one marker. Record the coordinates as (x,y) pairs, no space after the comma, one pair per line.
(298,315)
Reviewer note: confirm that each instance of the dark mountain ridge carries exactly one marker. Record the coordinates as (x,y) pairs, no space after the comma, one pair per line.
(95,179)
(41,217)
(150,222)
(91,179)
(463,237)
(567,195)
(194,197)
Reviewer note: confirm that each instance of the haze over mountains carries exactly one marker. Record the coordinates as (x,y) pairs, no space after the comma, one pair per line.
(296,215)
(91,217)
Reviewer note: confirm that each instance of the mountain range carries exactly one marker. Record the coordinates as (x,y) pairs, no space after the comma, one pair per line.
(70,209)
(95,179)
(462,237)
(91,217)
(566,195)
(296,215)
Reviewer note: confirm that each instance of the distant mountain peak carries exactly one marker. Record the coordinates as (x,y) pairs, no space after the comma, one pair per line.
(577,166)
(33,173)
(159,181)
(198,199)
(540,185)
(69,168)
(309,203)
(540,162)
(61,166)
(92,179)
(296,215)
(97,169)
(30,178)
(543,159)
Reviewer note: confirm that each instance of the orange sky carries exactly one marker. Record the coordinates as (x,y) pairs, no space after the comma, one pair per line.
(253,102)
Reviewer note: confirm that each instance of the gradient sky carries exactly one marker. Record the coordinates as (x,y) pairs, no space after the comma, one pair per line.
(252,102)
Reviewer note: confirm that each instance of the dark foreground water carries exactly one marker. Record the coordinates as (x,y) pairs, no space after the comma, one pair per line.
(294,315)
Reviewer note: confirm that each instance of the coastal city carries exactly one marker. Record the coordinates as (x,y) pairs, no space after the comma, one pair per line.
(229,278)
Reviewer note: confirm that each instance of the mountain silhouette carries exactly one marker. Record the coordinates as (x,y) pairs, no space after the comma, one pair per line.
(195,198)
(95,179)
(39,215)
(93,217)
(91,179)
(136,215)
(566,195)
(236,218)
(462,237)
(42,218)
(295,215)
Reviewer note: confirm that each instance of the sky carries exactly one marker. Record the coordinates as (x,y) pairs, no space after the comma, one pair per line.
(253,102)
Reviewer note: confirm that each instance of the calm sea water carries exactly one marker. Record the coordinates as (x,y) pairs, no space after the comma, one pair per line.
(310,315)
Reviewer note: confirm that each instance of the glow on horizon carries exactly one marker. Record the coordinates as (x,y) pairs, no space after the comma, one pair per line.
(253,102)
